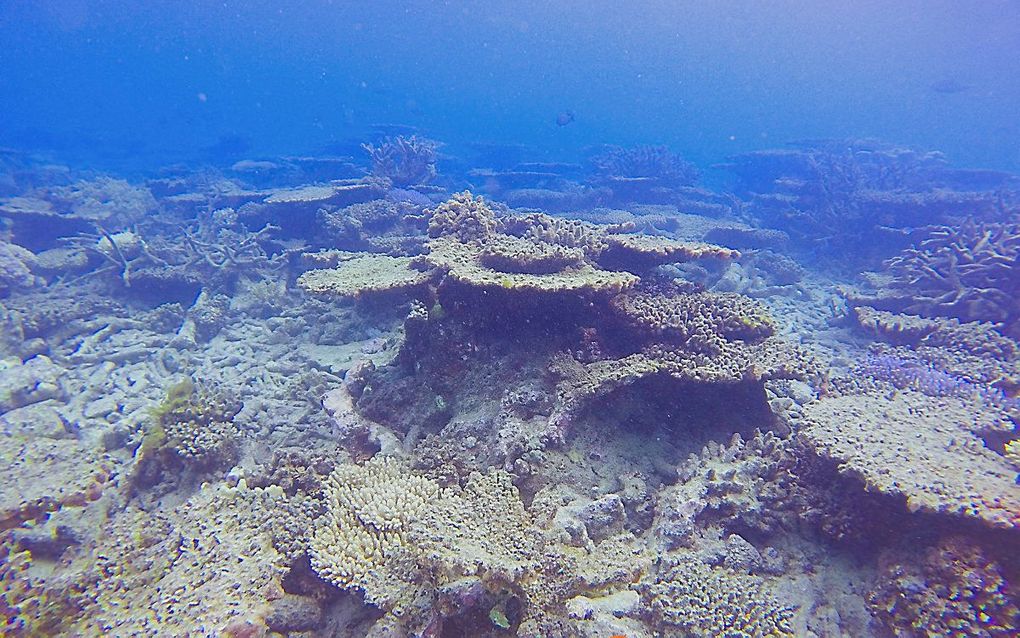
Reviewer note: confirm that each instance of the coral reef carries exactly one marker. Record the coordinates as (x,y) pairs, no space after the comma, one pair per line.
(474,420)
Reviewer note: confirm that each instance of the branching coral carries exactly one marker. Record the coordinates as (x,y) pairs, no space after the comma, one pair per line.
(403,542)
(469,219)
(405,161)
(971,272)
(838,196)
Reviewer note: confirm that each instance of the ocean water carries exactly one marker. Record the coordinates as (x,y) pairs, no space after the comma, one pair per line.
(445,319)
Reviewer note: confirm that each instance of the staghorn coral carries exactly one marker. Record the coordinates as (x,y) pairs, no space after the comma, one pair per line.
(700,600)
(404,161)
(355,276)
(916,375)
(951,589)
(968,271)
(924,449)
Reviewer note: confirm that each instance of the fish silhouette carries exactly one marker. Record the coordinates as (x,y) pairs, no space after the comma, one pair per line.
(564,118)
(949,86)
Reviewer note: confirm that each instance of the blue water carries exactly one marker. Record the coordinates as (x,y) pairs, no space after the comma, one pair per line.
(139,85)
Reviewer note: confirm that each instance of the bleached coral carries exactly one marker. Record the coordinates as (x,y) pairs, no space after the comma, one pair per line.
(364,540)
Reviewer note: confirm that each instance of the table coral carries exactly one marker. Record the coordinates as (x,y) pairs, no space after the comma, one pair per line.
(464,264)
(699,321)
(921,448)
(364,275)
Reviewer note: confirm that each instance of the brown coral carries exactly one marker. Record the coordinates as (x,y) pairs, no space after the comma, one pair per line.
(953,589)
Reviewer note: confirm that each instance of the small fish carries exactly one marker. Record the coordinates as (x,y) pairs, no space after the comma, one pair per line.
(564,118)
(949,86)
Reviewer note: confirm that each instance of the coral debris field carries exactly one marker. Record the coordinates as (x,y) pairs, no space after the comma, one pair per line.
(353,397)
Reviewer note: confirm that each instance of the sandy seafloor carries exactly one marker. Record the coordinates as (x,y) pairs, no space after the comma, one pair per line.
(328,397)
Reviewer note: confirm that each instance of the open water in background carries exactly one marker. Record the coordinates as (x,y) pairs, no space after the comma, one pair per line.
(138,85)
